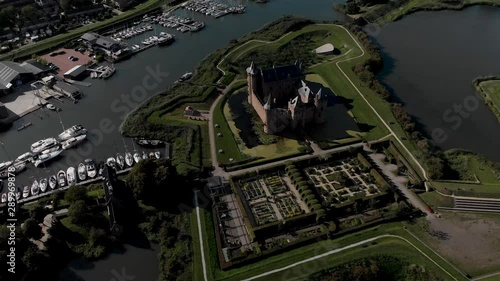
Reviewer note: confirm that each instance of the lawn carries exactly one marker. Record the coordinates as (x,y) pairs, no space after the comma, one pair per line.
(435,200)
(197,263)
(391,244)
(490,90)
(468,189)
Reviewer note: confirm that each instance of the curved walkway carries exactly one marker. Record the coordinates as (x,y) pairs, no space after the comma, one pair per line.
(347,248)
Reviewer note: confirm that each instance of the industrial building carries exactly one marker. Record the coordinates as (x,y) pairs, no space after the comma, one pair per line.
(109,46)
(13,75)
(76,73)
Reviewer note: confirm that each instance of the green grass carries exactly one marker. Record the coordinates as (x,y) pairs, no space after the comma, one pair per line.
(74,228)
(48,43)
(492,278)
(490,90)
(302,253)
(419,5)
(468,189)
(435,200)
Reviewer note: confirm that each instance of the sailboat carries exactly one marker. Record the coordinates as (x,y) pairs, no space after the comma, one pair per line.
(120,161)
(82,172)
(71,176)
(52,182)
(35,188)
(91,169)
(43,184)
(61,176)
(129,159)
(137,156)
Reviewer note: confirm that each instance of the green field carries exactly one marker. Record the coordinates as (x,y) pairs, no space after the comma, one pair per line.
(490,90)
(422,5)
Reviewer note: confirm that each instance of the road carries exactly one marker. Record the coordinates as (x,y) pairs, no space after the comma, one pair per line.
(354,245)
(200,235)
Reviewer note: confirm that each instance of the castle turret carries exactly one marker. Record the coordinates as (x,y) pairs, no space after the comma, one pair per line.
(320,103)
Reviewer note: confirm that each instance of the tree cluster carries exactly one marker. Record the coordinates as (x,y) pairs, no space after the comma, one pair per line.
(305,191)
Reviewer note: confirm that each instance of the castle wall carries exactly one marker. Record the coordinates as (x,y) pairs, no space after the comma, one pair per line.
(259,107)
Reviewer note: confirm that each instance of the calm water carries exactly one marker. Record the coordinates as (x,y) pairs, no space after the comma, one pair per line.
(432,58)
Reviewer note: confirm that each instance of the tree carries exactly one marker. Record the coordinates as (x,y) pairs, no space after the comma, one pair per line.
(38,213)
(8,16)
(65,4)
(97,237)
(78,212)
(34,259)
(76,193)
(31,229)
(29,13)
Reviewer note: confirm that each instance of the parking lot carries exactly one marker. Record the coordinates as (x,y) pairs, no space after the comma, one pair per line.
(62,61)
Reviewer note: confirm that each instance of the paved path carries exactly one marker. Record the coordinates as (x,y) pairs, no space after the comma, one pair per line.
(347,248)
(200,235)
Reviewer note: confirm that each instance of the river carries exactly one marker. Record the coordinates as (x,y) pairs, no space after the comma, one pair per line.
(431,59)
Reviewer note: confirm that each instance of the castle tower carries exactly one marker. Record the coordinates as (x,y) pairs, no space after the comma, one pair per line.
(320,103)
(267,120)
(252,81)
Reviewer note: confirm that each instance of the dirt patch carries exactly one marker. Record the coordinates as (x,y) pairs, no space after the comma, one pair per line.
(468,240)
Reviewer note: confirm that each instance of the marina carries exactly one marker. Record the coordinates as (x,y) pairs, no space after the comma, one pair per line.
(213,8)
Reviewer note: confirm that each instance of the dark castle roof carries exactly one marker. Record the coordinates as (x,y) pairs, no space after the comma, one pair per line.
(281,73)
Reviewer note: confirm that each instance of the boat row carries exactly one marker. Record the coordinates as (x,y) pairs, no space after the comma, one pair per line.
(131,32)
(164,39)
(182,24)
(212,8)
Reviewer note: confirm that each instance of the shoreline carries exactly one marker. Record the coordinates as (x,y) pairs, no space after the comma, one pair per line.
(476,83)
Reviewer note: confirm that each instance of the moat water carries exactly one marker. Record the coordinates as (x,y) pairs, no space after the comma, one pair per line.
(431,59)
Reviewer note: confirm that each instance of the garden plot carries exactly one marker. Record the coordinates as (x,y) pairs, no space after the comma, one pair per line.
(337,182)
(270,199)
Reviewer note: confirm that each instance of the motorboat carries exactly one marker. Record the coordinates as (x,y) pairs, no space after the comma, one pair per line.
(71,176)
(52,107)
(157,155)
(137,157)
(90,167)
(120,161)
(152,155)
(186,76)
(43,158)
(5,164)
(61,177)
(35,188)
(44,144)
(18,167)
(43,184)
(26,191)
(129,159)
(4,197)
(165,40)
(53,149)
(108,72)
(111,162)
(52,182)
(74,131)
(149,143)
(28,156)
(82,172)
(144,155)
(73,141)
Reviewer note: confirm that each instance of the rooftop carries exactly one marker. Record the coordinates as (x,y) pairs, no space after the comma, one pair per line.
(8,71)
(281,73)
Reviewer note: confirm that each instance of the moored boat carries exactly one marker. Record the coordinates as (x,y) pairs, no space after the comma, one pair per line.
(144,155)
(26,191)
(71,176)
(5,164)
(44,144)
(152,155)
(43,158)
(73,131)
(129,159)
(149,143)
(18,167)
(120,161)
(43,184)
(28,156)
(4,197)
(73,141)
(82,172)
(18,193)
(52,182)
(137,157)
(35,188)
(91,169)
(157,154)
(61,177)
(111,162)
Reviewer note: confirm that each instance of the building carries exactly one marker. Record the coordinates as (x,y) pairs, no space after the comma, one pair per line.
(123,5)
(39,70)
(326,49)
(76,73)
(282,99)
(66,89)
(97,42)
(13,75)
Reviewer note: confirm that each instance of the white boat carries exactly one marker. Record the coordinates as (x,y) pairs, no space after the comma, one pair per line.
(71,176)
(61,177)
(18,194)
(152,155)
(137,157)
(82,172)
(50,150)
(43,184)
(111,162)
(26,191)
(108,72)
(129,159)
(144,155)
(5,164)
(91,169)
(120,161)
(157,154)
(186,76)
(52,182)
(73,141)
(35,188)
(52,107)
(4,197)
(42,145)
(28,156)
(74,131)
(47,157)
(18,167)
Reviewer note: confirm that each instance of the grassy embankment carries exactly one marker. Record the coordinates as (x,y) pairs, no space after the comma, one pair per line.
(390,246)
(489,89)
(58,40)
(384,13)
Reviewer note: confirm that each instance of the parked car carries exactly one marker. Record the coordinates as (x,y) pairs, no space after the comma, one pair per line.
(81,50)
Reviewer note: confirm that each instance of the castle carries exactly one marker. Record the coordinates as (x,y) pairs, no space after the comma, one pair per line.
(282,99)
